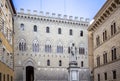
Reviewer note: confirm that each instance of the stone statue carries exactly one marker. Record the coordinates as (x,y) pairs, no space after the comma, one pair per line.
(73,52)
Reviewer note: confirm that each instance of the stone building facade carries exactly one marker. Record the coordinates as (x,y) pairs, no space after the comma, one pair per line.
(42,46)
(104,43)
(6,40)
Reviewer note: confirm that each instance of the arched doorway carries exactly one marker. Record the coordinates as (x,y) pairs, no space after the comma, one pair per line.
(29,73)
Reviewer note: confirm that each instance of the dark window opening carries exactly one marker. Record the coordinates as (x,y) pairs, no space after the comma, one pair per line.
(105,75)
(82,64)
(59,31)
(47,30)
(81,33)
(35,28)
(48,62)
(60,63)
(70,32)
(98,77)
(114,75)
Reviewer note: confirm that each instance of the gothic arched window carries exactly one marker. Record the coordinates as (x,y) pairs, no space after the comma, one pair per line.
(59,48)
(35,46)
(48,47)
(22,45)
(81,50)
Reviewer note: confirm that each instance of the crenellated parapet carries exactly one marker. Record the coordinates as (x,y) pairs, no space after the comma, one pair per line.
(53,15)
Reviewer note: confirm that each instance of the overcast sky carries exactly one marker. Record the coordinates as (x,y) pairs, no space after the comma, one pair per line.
(80,8)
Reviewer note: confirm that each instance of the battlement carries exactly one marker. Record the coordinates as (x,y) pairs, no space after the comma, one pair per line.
(47,14)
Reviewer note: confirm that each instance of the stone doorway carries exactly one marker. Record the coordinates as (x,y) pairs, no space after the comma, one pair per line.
(29,73)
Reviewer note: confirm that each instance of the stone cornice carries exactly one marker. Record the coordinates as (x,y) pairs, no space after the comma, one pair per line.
(53,18)
(109,7)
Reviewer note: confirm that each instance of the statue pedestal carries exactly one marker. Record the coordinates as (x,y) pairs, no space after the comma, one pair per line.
(73,70)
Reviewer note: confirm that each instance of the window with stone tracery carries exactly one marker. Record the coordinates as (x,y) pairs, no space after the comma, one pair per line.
(35,46)
(59,48)
(81,50)
(22,45)
(48,47)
